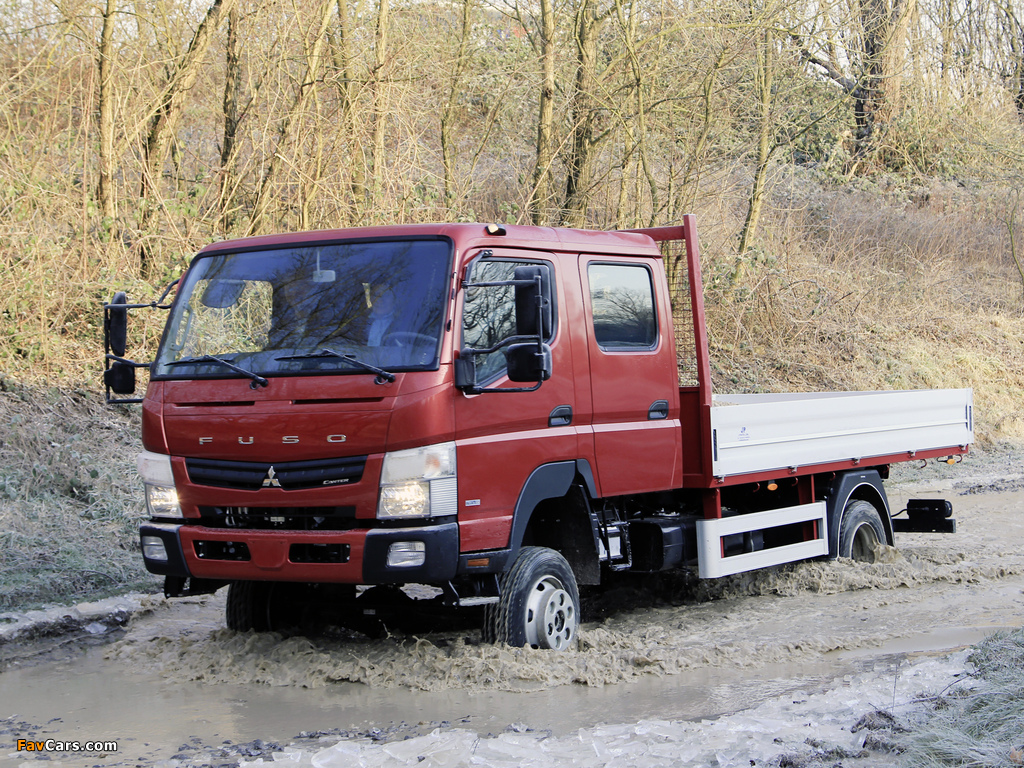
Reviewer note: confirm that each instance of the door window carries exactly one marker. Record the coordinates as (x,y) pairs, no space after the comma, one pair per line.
(489,314)
(622,299)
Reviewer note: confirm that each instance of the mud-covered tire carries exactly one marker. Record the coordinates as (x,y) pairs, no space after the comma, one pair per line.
(539,604)
(860,531)
(247,606)
(262,606)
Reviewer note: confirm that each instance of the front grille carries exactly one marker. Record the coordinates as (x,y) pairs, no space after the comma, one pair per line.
(290,476)
(280,518)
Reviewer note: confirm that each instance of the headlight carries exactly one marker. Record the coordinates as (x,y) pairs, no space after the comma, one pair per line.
(161,497)
(419,482)
(162,501)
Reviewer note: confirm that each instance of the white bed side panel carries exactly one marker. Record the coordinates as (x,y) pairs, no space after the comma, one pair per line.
(753,433)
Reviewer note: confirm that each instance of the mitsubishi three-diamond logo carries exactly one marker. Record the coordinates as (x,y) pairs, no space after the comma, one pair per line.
(271,481)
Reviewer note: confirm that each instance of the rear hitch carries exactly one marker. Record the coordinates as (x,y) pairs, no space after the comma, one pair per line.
(926,516)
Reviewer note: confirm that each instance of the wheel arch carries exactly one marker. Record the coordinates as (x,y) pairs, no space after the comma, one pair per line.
(553,510)
(864,485)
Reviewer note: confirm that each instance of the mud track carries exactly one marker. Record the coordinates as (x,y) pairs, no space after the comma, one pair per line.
(175,685)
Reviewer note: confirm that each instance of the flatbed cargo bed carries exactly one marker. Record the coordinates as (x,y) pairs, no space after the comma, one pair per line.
(764,432)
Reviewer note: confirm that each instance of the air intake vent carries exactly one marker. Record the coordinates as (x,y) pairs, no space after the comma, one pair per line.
(290,476)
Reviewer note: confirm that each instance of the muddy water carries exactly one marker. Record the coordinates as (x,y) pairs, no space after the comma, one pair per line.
(723,646)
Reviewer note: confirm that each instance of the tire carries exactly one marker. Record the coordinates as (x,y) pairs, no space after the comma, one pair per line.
(539,604)
(262,606)
(860,532)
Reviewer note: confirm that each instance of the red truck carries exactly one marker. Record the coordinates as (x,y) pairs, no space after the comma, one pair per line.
(502,413)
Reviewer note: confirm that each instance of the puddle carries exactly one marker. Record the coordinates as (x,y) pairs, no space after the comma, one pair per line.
(177,677)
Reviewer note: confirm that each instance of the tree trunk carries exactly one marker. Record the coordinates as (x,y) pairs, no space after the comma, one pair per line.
(638,138)
(105,189)
(586,27)
(877,97)
(307,86)
(540,196)
(763,77)
(380,58)
(180,82)
(448,111)
(344,59)
(232,91)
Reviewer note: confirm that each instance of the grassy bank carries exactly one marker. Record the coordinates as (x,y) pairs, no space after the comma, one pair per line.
(70,501)
(889,284)
(980,724)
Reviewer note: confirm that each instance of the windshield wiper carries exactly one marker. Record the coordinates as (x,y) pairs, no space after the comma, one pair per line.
(256,378)
(352,359)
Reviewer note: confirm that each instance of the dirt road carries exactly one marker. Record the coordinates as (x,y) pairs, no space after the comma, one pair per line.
(814,642)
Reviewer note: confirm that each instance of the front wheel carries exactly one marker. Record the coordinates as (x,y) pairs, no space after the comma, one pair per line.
(860,532)
(539,604)
(263,606)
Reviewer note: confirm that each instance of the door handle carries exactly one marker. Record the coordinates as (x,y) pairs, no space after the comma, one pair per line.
(658,410)
(561,416)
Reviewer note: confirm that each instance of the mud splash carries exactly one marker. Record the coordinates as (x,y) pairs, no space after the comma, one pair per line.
(721,623)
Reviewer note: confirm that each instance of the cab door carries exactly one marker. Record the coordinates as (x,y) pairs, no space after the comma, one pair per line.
(633,376)
(503,437)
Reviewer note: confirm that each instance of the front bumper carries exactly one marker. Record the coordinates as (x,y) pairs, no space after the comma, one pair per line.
(352,557)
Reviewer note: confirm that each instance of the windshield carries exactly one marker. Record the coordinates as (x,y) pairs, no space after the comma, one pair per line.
(310,309)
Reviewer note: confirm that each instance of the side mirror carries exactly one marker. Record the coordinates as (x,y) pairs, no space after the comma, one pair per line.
(534,311)
(120,377)
(529,362)
(115,326)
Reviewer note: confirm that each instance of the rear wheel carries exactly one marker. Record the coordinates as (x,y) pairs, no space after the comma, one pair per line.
(539,604)
(861,531)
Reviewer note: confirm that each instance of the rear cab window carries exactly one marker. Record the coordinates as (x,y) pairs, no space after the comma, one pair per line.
(622,304)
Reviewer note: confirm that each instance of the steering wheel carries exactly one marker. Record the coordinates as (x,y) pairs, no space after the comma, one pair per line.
(404,339)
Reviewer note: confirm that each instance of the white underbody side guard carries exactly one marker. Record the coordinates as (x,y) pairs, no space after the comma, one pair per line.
(712,563)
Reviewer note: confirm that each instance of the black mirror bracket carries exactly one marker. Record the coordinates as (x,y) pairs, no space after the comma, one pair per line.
(119,371)
(465,365)
(529,358)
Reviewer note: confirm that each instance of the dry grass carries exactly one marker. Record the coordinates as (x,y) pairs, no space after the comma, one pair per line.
(865,289)
(850,287)
(981,726)
(70,501)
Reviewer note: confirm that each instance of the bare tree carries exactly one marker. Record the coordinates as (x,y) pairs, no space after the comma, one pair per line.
(169,105)
(764,71)
(305,90)
(377,81)
(232,95)
(105,189)
(876,76)
(540,195)
(588,21)
(344,64)
(449,108)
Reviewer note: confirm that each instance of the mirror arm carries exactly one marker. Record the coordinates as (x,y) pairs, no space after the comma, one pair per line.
(473,389)
(483,390)
(159,303)
(126,361)
(503,343)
